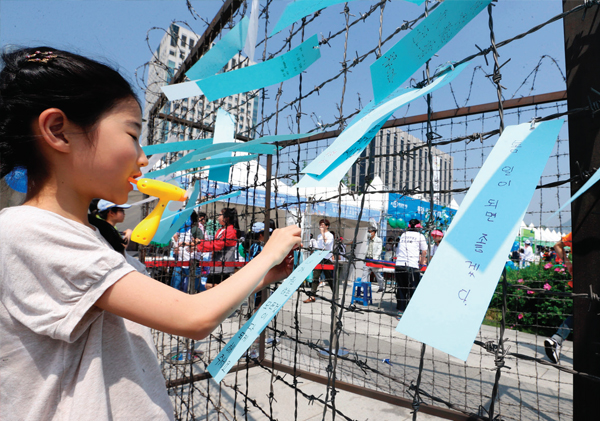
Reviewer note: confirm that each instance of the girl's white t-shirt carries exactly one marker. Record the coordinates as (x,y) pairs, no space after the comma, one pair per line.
(62,358)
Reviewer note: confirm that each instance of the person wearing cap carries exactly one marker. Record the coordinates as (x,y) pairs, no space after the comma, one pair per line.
(325,241)
(437,236)
(374,248)
(527,254)
(112,215)
(258,238)
(411,252)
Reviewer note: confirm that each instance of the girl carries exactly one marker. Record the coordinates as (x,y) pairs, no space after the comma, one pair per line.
(74,315)
(223,248)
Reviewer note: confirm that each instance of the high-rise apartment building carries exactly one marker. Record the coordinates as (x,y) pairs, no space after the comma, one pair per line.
(174,47)
(400,172)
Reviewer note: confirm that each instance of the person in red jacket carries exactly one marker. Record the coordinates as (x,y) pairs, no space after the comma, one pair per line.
(223,248)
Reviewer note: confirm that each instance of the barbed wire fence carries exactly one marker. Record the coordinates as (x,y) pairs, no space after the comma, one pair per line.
(353,347)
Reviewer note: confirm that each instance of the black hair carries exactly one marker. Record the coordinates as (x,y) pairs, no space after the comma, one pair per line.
(202,215)
(93,205)
(110,234)
(230,217)
(194,218)
(35,79)
(413,223)
(324,221)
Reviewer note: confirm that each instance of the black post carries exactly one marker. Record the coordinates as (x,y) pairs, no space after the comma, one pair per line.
(582,56)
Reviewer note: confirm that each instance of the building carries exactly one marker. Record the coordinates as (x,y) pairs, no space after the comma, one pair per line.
(400,173)
(174,47)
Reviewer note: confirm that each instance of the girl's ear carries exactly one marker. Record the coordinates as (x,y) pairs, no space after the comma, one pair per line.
(50,126)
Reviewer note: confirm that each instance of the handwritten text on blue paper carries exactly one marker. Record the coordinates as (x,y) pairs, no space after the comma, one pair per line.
(263,74)
(461,278)
(402,60)
(242,340)
(298,9)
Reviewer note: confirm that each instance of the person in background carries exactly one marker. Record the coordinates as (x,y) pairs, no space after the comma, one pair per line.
(437,236)
(111,214)
(553,345)
(374,248)
(189,258)
(223,247)
(325,241)
(411,252)
(528,256)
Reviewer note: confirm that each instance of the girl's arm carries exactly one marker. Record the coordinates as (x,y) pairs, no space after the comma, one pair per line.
(143,300)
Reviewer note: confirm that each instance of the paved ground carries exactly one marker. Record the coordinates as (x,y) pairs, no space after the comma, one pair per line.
(528,390)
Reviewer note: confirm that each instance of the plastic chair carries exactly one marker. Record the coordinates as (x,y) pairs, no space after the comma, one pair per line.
(356,291)
(367,294)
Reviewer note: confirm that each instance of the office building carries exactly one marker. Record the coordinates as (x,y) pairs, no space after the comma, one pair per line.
(410,172)
(174,47)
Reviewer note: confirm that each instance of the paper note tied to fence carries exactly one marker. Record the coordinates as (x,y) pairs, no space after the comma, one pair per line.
(452,298)
(402,60)
(242,340)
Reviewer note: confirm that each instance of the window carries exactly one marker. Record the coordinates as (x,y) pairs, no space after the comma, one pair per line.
(191,43)
(173,41)
(172,52)
(181,56)
(183,40)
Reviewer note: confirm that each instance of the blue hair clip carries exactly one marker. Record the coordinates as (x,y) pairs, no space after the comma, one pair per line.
(17,179)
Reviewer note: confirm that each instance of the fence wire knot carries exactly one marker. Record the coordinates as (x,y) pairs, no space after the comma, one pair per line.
(312,398)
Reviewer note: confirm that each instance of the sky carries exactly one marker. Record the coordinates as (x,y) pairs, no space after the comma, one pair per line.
(120,32)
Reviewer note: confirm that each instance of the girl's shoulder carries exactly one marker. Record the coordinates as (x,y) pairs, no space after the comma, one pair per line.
(21,222)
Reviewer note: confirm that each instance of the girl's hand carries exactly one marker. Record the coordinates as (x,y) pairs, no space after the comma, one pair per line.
(280,243)
(281,271)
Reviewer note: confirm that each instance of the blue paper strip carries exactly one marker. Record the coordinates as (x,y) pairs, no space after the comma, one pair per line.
(250,45)
(593,180)
(216,199)
(332,164)
(185,214)
(461,278)
(298,9)
(181,90)
(419,45)
(214,162)
(242,340)
(224,133)
(262,74)
(187,145)
(219,55)
(165,230)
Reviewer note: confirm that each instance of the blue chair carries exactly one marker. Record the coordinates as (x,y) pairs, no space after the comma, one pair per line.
(367,295)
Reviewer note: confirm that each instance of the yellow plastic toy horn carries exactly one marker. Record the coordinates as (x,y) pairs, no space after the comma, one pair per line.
(165,192)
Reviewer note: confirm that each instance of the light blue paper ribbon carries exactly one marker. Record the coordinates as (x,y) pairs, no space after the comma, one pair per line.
(593,180)
(224,133)
(187,145)
(165,230)
(242,340)
(185,214)
(298,9)
(331,165)
(421,43)
(451,300)
(263,74)
(181,90)
(218,56)
(250,45)
(210,63)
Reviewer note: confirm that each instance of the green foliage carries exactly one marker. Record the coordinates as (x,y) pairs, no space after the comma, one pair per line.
(535,312)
